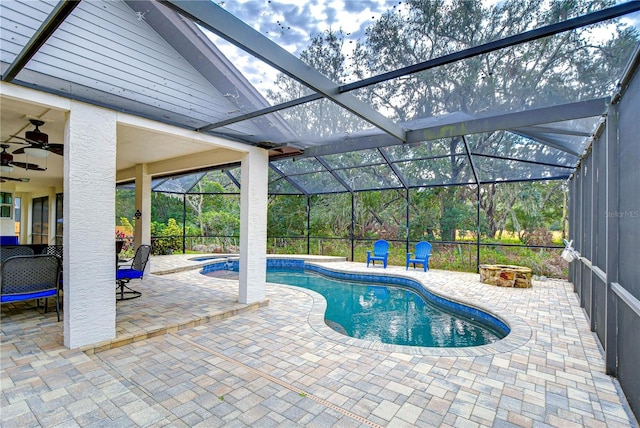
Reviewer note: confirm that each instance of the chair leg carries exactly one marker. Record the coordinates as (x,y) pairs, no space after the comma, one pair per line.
(131,294)
(58,307)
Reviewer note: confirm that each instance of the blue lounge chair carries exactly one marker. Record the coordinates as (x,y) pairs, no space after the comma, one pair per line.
(422,254)
(380,252)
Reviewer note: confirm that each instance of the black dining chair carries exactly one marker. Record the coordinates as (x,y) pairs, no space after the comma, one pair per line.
(20,250)
(31,277)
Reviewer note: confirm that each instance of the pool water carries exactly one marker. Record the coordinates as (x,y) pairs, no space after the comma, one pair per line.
(387,314)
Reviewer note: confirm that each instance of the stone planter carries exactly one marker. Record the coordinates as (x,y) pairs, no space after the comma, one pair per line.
(506,275)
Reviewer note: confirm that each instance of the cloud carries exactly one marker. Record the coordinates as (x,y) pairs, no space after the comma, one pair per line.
(292,23)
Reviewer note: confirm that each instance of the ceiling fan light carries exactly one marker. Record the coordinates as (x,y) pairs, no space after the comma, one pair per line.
(36,152)
(6,168)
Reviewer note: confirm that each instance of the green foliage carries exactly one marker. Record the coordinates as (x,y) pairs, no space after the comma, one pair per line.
(165,207)
(124,221)
(287,216)
(221,223)
(125,204)
(167,237)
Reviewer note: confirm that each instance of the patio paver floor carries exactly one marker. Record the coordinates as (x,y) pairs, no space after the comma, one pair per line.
(187,354)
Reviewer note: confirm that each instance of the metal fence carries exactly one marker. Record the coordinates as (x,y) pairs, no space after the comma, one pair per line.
(604,216)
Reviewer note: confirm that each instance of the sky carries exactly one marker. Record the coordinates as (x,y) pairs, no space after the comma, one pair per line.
(291,23)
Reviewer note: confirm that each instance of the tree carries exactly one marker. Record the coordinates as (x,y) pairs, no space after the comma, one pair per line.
(570,66)
(320,118)
(215,212)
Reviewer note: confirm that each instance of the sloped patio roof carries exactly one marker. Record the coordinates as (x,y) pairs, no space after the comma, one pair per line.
(157,60)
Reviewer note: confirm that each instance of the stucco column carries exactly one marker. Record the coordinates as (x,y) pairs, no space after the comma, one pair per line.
(253,225)
(89,225)
(142,232)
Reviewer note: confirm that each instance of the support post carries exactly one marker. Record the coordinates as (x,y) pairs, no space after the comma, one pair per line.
(51,238)
(353,223)
(478,228)
(476,177)
(308,224)
(593,188)
(89,246)
(184,223)
(407,221)
(142,232)
(612,205)
(253,225)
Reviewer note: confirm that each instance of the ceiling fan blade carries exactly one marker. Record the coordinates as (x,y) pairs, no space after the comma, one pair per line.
(20,138)
(29,166)
(23,180)
(55,148)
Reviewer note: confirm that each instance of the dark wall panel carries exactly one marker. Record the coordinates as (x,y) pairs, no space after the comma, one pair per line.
(587,206)
(629,209)
(600,256)
(604,216)
(585,296)
(628,352)
(599,310)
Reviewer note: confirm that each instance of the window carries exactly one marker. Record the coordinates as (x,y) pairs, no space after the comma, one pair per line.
(6,204)
(40,224)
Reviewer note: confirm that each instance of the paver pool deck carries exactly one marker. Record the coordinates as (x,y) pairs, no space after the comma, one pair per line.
(188,354)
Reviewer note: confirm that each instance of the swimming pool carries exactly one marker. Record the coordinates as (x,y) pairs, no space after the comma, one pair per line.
(398,312)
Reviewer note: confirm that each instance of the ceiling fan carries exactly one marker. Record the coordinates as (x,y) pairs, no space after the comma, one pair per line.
(7,163)
(22,180)
(38,142)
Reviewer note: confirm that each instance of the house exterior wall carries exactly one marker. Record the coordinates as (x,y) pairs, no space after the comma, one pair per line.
(107,47)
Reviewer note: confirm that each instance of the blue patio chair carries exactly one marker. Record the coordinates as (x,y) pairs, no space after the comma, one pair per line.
(380,252)
(135,270)
(422,254)
(30,278)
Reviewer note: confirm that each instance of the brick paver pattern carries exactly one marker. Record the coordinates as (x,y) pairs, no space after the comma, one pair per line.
(187,354)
